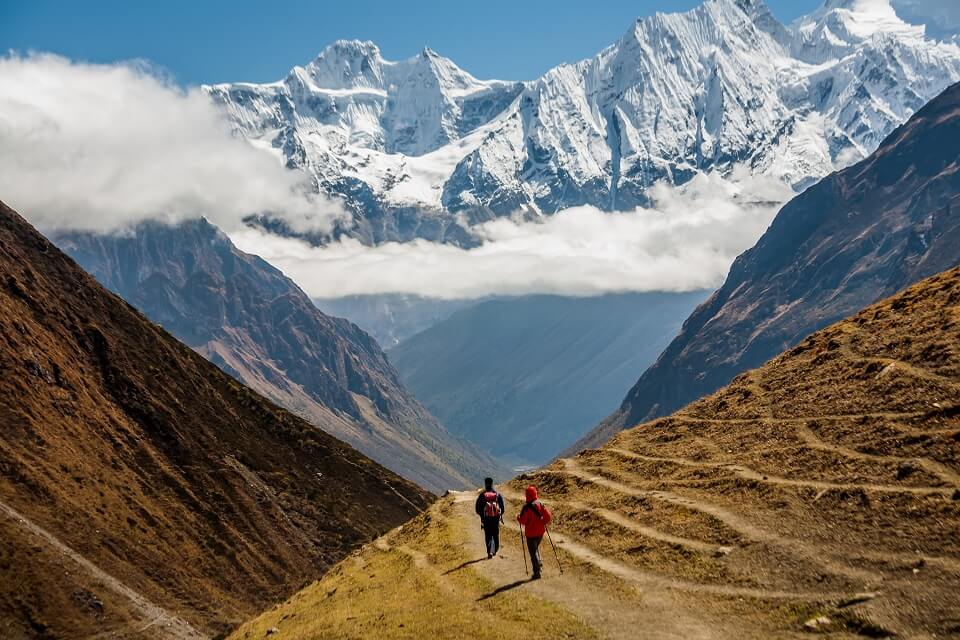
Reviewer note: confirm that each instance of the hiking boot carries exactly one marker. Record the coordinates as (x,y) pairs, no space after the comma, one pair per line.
(489,555)
(535,576)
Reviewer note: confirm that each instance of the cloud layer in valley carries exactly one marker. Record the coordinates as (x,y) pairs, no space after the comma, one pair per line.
(101,147)
(687,241)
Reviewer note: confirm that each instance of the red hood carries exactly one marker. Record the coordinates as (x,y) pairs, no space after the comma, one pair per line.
(531,493)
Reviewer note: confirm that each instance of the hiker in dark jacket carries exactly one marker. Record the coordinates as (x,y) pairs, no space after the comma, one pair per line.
(490,507)
(534,518)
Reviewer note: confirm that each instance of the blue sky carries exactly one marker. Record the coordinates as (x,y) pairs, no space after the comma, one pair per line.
(217,41)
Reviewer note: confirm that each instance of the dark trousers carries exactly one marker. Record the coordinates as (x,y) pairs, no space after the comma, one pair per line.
(533,545)
(491,534)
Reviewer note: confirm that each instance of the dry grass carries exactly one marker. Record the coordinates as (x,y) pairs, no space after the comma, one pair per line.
(384,591)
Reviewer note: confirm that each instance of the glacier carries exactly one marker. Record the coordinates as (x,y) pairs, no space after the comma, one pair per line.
(419,148)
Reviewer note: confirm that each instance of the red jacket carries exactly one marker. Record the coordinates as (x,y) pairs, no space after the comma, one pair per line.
(534,516)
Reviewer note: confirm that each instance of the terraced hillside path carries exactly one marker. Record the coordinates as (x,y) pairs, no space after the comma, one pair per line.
(579,590)
(615,598)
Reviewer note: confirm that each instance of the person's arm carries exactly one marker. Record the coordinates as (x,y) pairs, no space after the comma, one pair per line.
(547,516)
(503,505)
(478,507)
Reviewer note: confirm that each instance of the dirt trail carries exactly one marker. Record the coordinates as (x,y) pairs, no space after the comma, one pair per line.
(612,597)
(740,525)
(815,442)
(657,611)
(160,622)
(644,530)
(752,474)
(629,523)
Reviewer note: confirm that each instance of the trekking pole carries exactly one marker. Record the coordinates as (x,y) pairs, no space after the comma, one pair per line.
(555,554)
(523,551)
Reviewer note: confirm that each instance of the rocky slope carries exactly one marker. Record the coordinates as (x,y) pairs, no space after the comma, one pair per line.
(526,377)
(419,148)
(257,325)
(817,495)
(855,237)
(144,493)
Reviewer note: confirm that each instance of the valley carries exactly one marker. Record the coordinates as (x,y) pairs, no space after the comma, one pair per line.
(524,378)
(261,341)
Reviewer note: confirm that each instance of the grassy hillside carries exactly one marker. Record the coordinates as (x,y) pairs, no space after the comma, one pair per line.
(817,494)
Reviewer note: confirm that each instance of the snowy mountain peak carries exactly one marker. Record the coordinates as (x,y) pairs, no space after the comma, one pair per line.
(840,24)
(348,64)
(421,148)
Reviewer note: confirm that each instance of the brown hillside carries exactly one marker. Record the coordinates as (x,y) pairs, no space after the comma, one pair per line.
(817,495)
(834,468)
(143,492)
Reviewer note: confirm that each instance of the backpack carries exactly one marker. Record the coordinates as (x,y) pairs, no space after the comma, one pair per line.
(533,507)
(491,507)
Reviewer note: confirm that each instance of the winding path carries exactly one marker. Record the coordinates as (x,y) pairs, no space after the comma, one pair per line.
(161,622)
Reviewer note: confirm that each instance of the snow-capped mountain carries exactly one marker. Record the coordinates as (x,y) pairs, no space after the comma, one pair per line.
(420,148)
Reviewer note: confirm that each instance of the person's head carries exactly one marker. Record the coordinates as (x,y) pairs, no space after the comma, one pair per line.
(531,493)
(488,483)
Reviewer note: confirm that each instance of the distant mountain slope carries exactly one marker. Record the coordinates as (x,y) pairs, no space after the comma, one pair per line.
(525,377)
(256,324)
(420,149)
(851,239)
(817,496)
(144,493)
(392,318)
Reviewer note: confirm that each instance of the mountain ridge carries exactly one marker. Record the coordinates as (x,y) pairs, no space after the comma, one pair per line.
(260,327)
(730,87)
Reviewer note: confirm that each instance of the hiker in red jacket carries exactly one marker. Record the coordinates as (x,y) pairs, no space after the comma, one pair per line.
(534,518)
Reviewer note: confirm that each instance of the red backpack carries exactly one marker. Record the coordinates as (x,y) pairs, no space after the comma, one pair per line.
(491,508)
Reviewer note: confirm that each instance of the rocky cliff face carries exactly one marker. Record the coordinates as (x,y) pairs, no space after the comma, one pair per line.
(258,326)
(419,148)
(853,238)
(144,493)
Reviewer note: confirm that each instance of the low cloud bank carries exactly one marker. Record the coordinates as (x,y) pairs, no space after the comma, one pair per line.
(102,147)
(686,241)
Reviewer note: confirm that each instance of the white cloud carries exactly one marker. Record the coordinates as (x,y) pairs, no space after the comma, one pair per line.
(686,241)
(100,147)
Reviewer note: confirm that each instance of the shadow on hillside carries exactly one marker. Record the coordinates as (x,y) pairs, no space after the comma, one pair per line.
(502,588)
(464,565)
